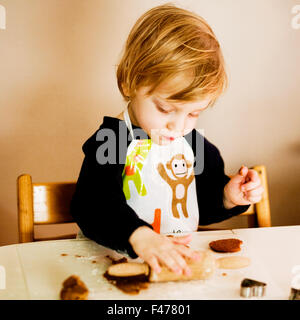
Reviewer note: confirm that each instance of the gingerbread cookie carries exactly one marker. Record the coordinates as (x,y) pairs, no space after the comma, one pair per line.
(226,245)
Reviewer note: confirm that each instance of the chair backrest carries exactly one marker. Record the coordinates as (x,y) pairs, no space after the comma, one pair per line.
(49,203)
(42,204)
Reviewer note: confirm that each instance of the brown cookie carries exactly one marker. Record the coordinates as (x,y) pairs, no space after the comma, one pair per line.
(74,289)
(226,245)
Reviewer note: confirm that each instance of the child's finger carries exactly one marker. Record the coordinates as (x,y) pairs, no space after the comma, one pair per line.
(153,263)
(250,186)
(189,253)
(254,182)
(240,176)
(252,176)
(244,201)
(248,178)
(181,262)
(255,192)
(170,262)
(254,199)
(243,171)
(182,240)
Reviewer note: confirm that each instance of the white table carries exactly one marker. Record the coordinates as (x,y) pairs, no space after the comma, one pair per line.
(36,270)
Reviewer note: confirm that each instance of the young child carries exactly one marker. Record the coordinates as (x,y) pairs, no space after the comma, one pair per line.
(133,191)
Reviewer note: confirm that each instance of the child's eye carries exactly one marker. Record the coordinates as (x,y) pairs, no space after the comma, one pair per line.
(162,109)
(194,114)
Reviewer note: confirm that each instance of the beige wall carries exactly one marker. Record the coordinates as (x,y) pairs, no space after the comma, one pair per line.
(57,81)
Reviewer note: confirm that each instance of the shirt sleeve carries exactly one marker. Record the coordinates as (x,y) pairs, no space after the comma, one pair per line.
(210,182)
(99,205)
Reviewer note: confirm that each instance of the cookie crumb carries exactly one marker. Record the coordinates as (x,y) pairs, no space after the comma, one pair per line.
(114,261)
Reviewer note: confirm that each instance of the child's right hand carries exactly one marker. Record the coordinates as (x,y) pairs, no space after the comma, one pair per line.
(156,249)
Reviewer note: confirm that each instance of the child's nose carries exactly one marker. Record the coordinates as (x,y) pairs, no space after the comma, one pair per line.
(176,125)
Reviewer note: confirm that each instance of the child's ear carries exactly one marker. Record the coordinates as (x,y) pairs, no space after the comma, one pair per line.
(125,90)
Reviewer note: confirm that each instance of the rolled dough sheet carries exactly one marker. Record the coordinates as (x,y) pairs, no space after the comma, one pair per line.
(233,262)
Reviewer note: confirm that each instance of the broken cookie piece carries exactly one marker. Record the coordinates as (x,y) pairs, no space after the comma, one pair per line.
(226,245)
(74,289)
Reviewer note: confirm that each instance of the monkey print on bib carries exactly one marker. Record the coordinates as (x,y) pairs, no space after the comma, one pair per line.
(159,184)
(179,183)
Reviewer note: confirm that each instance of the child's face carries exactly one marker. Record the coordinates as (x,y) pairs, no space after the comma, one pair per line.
(161,120)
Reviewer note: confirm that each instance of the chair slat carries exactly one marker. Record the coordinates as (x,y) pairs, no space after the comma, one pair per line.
(52,202)
(41,204)
(263,207)
(66,236)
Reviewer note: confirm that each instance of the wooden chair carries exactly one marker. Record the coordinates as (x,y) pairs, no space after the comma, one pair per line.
(42,204)
(259,214)
(48,203)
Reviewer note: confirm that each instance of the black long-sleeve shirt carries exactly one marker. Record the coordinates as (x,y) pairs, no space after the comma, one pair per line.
(99,205)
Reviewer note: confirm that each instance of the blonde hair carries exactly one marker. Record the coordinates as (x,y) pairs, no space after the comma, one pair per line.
(167,41)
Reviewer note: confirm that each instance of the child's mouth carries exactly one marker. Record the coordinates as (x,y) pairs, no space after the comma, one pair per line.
(168,138)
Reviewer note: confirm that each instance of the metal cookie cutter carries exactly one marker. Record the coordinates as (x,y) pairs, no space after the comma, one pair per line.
(295,294)
(252,288)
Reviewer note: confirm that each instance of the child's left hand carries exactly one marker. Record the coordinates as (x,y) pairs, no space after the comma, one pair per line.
(243,188)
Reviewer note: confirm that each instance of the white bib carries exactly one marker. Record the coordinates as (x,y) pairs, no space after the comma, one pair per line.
(159,183)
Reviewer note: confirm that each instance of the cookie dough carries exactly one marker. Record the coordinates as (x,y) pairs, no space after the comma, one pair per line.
(233,262)
(74,289)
